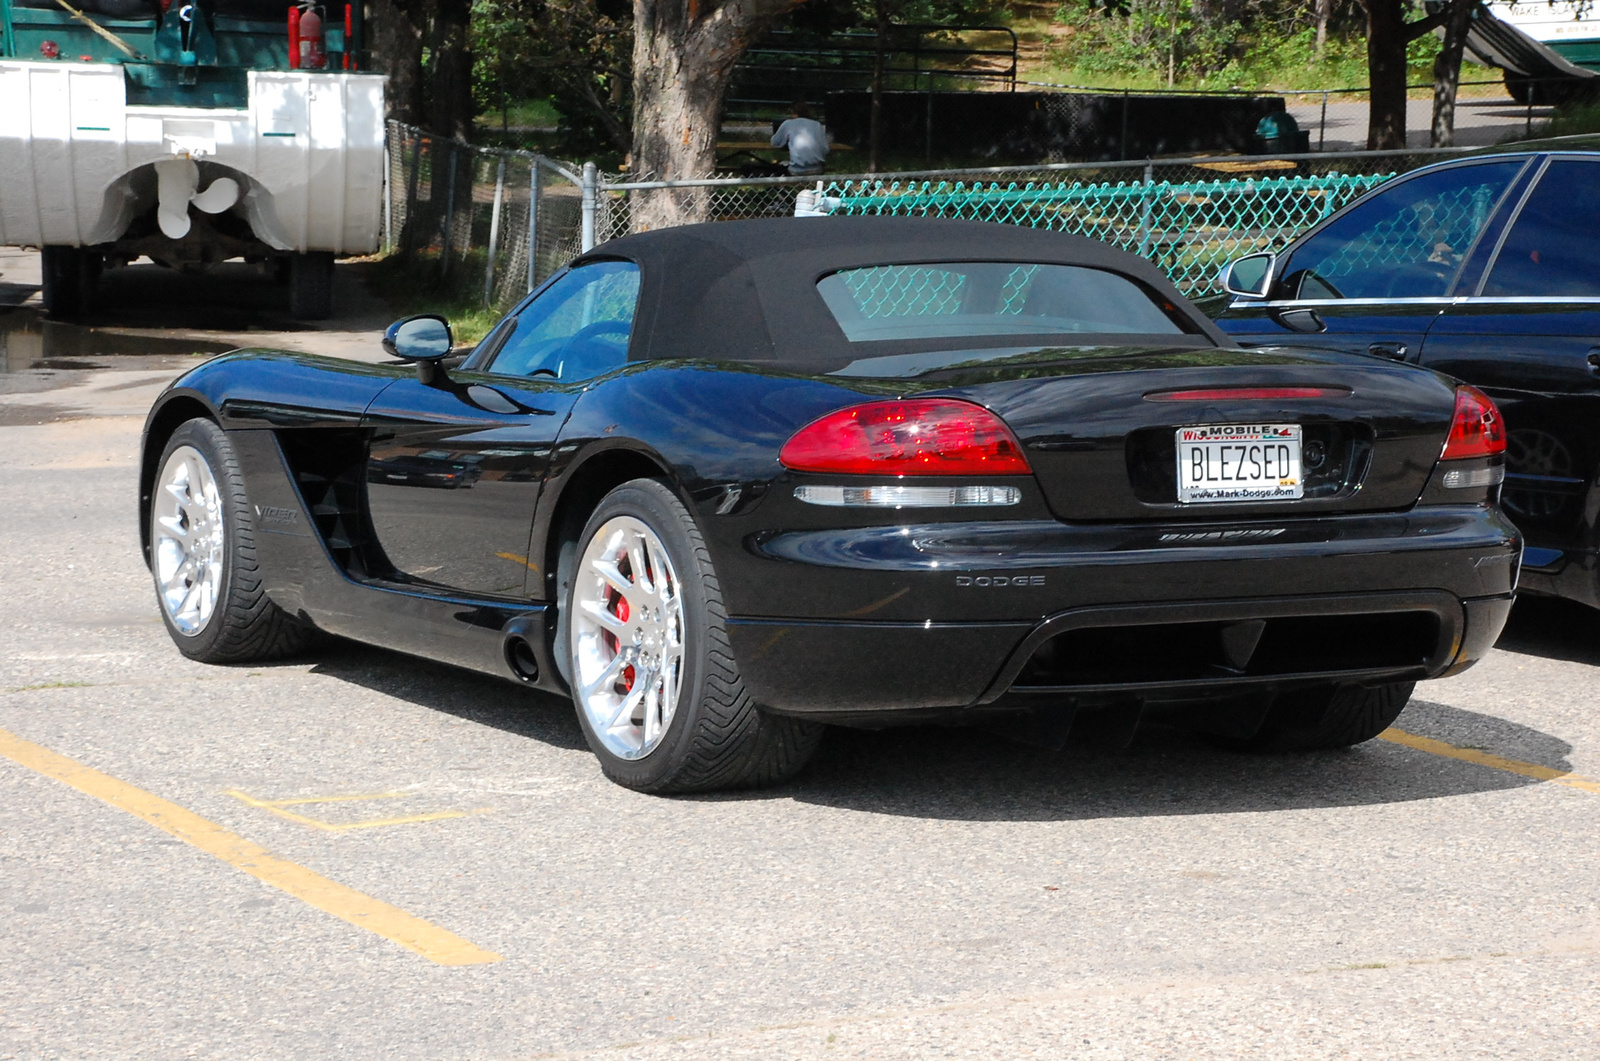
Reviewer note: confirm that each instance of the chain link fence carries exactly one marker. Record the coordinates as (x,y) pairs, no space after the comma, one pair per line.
(490,225)
(474,222)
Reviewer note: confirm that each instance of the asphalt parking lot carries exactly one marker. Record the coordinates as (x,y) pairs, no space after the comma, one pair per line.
(360,854)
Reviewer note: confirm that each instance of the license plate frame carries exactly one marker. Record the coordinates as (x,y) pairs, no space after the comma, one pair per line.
(1208,453)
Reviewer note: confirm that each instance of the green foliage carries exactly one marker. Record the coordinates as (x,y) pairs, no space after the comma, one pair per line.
(577,54)
(1267,44)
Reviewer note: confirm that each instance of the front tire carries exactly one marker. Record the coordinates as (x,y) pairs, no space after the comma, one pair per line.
(203,556)
(653,677)
(1331,717)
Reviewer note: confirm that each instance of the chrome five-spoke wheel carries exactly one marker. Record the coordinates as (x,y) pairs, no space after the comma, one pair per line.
(187,539)
(627,637)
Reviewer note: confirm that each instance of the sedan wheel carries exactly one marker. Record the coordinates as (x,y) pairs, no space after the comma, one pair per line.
(203,555)
(658,693)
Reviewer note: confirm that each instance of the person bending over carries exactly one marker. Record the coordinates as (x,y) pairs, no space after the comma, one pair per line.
(806,140)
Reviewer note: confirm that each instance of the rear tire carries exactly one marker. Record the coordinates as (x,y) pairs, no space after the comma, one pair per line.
(311,286)
(657,689)
(1331,717)
(203,556)
(69,276)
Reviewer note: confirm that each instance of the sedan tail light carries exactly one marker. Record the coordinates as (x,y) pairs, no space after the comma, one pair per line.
(917,436)
(1477,429)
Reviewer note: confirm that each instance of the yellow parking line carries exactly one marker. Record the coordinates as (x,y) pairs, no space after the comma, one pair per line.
(276,806)
(1496,762)
(347,904)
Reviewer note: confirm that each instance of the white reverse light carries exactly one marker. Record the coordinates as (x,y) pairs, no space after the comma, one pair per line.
(908,496)
(1461,478)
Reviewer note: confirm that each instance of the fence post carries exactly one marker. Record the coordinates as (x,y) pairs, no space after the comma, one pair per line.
(410,232)
(494,232)
(388,199)
(449,213)
(1322,126)
(1145,205)
(533,225)
(1122,151)
(590,179)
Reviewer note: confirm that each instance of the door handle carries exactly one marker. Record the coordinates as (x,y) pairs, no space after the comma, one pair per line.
(1393,351)
(493,401)
(1304,321)
(1594,359)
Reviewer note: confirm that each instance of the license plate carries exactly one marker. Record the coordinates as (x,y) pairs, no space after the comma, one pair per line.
(1239,462)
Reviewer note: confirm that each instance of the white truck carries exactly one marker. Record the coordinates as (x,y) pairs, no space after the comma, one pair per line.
(190,134)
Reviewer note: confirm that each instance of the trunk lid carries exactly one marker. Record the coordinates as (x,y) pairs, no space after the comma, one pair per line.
(1103,450)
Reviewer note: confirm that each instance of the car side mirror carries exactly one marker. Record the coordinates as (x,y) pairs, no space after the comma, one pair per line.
(424,339)
(1250,276)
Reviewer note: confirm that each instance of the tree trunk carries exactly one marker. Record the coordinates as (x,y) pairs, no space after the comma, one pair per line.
(1386,73)
(875,116)
(396,44)
(450,70)
(683,54)
(1447,72)
(1324,10)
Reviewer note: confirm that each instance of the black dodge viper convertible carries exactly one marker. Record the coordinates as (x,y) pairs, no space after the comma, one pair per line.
(722,484)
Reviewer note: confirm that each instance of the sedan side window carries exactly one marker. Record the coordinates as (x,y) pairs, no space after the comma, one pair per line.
(1554,248)
(577,328)
(1407,242)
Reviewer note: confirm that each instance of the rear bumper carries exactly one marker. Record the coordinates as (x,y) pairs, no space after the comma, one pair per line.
(845,671)
(964,616)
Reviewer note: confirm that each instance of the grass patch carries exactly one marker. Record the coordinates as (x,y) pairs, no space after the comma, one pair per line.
(1570,120)
(526,113)
(406,285)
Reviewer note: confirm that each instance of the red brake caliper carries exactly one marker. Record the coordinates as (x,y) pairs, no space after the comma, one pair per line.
(619,608)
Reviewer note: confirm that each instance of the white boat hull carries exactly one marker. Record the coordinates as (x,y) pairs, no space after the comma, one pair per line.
(77,162)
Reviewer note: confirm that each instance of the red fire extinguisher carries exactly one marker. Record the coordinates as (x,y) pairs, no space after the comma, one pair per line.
(308,50)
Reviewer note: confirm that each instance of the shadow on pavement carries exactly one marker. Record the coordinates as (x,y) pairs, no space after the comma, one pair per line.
(972,775)
(1553,629)
(233,297)
(439,687)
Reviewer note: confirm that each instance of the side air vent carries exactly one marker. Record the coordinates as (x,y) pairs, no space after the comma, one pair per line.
(329,468)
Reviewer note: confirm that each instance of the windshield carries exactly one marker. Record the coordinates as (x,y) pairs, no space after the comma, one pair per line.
(951,300)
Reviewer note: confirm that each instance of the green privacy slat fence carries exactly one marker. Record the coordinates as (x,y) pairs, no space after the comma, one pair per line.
(1191,229)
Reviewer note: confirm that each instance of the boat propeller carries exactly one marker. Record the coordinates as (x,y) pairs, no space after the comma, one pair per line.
(177,184)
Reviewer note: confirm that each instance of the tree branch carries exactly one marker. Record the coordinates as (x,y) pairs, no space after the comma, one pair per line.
(1424,26)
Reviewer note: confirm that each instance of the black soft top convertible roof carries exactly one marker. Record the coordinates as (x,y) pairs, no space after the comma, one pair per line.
(747,290)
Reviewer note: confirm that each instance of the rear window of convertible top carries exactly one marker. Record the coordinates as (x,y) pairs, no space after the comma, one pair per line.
(954,300)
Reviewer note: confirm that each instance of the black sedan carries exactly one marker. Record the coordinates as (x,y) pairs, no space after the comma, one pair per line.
(1488,270)
(736,481)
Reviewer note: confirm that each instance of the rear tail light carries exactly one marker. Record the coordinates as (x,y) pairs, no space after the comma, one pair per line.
(918,436)
(1477,429)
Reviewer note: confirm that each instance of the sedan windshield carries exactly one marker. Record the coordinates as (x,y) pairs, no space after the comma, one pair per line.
(950,300)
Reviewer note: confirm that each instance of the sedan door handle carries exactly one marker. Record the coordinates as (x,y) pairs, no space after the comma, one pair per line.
(1594,359)
(1393,351)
